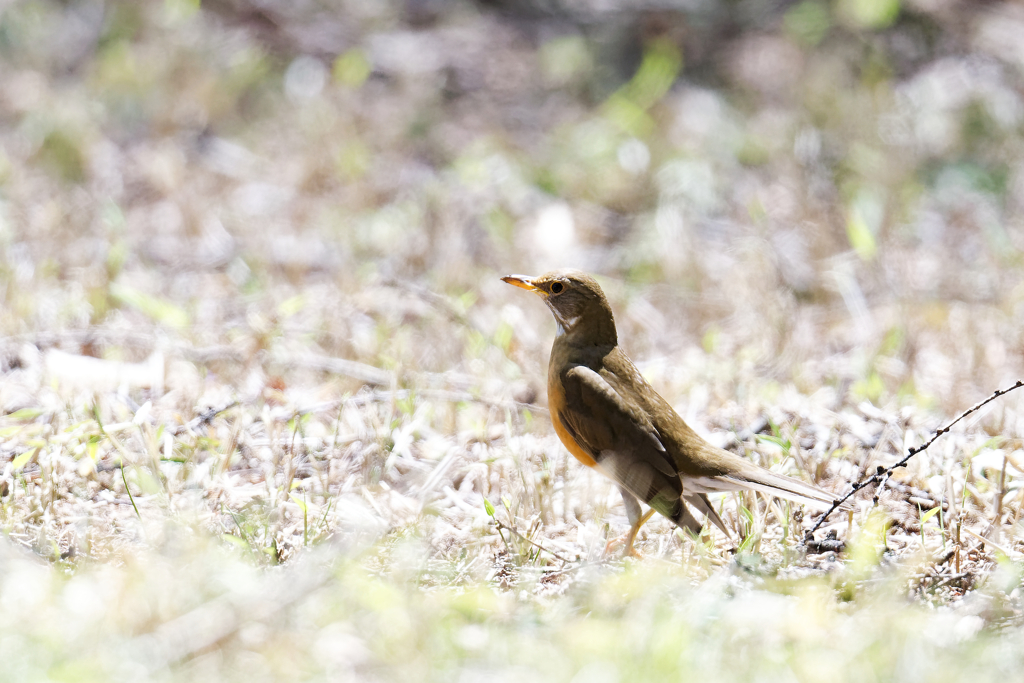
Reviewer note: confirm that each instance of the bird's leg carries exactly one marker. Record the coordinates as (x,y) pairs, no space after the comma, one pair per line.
(636,518)
(634,530)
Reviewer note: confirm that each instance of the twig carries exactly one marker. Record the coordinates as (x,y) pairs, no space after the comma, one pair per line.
(502,525)
(881,487)
(438,301)
(380,396)
(1005,551)
(112,337)
(368,374)
(883,473)
(444,395)
(204,418)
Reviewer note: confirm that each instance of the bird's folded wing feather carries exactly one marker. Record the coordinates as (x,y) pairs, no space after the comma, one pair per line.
(625,444)
(701,503)
(622,425)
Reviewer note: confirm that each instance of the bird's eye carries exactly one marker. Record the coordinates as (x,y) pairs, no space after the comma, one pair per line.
(557,288)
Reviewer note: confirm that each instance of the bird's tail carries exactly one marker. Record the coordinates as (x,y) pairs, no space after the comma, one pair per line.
(768,482)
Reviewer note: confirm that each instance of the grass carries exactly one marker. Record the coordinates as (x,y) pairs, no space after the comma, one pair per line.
(328,614)
(296,548)
(269,413)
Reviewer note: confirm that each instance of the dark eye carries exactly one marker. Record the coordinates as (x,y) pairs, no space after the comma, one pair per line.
(557,288)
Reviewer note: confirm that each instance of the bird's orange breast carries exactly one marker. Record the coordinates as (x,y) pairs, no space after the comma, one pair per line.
(556,404)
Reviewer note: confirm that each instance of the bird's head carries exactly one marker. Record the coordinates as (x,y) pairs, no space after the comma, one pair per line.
(577,302)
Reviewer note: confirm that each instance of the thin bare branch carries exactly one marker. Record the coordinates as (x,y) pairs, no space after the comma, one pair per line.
(882,474)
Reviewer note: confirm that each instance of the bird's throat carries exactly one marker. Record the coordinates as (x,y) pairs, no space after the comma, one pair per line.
(565,325)
(585,331)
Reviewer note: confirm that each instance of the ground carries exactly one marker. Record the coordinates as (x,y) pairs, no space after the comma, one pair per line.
(269,413)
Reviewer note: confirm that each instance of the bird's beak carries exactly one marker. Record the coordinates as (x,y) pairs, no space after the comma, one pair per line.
(523,282)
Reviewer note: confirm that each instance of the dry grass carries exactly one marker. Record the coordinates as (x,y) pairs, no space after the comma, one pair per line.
(260,381)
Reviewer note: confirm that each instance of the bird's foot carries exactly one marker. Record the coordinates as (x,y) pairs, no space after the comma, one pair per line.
(624,542)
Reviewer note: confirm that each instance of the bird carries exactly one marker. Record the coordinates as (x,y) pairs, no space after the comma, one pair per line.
(611,419)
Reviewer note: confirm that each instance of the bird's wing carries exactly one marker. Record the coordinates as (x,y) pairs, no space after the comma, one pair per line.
(621,438)
(607,420)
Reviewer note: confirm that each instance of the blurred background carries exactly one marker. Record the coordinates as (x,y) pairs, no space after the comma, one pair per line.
(250,306)
(824,193)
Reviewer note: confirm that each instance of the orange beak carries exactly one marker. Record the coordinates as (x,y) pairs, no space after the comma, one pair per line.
(521,281)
